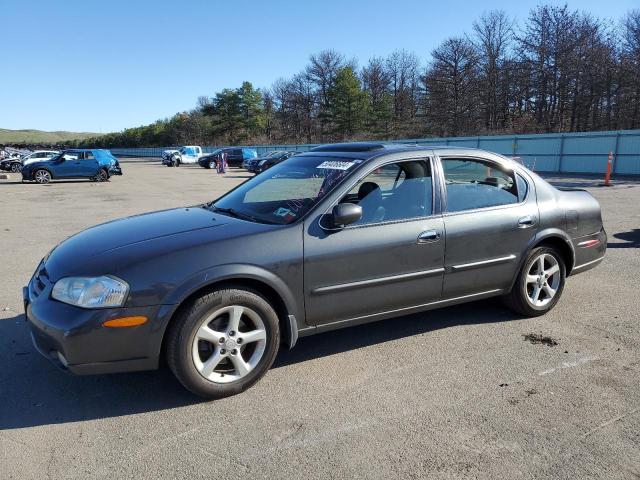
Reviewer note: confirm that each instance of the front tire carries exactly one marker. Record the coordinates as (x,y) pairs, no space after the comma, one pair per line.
(223,343)
(42,176)
(539,284)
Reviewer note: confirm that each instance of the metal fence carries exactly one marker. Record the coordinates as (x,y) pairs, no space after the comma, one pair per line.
(554,152)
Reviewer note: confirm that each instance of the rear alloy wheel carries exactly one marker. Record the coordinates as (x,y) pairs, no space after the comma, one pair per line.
(212,165)
(42,176)
(224,343)
(101,176)
(16,167)
(539,284)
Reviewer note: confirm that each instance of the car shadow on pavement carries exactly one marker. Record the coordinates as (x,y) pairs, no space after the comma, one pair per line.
(33,392)
(630,239)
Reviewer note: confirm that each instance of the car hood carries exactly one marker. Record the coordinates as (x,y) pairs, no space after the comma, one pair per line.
(100,248)
(36,161)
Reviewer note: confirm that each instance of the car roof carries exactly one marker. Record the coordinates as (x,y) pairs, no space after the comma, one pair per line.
(370,150)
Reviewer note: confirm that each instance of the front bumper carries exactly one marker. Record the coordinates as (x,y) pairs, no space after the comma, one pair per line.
(74,338)
(115,170)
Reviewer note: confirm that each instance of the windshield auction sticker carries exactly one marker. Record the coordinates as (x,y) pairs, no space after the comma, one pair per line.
(335,165)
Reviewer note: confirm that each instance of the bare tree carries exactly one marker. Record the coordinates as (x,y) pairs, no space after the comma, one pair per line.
(452,87)
(493,33)
(402,68)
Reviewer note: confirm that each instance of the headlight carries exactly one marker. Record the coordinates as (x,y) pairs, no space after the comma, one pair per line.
(91,292)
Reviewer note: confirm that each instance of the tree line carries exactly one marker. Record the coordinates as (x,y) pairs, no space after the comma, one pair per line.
(560,70)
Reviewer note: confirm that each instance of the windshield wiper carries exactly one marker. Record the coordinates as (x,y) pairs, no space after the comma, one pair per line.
(241,215)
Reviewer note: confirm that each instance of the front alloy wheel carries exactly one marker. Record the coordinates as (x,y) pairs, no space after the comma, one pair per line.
(229,344)
(224,342)
(42,176)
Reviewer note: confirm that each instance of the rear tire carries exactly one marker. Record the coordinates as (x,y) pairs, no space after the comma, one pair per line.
(16,168)
(539,284)
(101,176)
(223,343)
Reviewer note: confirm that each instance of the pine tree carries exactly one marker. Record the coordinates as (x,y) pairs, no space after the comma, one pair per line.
(347,103)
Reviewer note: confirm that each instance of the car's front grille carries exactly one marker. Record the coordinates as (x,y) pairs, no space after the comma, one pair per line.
(39,281)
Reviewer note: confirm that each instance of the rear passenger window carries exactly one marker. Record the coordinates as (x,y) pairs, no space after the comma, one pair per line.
(475,184)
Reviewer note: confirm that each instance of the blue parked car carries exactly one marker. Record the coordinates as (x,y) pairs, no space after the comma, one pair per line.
(94,164)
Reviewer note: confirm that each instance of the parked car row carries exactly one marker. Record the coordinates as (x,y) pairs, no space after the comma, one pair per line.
(241,157)
(95,164)
(193,154)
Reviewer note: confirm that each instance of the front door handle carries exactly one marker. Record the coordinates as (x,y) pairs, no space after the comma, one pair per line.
(526,222)
(429,236)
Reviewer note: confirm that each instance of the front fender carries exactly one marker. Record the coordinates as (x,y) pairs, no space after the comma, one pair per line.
(232,272)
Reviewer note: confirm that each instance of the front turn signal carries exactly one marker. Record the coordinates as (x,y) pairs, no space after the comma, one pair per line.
(125,322)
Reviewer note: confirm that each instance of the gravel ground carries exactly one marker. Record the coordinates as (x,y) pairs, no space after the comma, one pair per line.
(470,391)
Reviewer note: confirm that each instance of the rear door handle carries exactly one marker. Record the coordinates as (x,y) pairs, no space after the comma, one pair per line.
(429,236)
(526,222)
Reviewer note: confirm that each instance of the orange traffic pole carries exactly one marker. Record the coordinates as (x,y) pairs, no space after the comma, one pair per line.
(607,175)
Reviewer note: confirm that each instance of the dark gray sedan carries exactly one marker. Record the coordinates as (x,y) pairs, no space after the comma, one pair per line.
(342,235)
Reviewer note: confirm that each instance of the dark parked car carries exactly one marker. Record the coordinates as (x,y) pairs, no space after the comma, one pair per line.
(341,235)
(94,164)
(13,164)
(260,164)
(267,163)
(250,164)
(235,156)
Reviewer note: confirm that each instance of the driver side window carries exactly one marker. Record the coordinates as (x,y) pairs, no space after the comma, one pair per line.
(396,191)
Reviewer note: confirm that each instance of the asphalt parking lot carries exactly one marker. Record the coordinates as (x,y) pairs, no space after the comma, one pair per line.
(472,391)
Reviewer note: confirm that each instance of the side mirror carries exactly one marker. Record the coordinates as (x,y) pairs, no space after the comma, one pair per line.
(345,214)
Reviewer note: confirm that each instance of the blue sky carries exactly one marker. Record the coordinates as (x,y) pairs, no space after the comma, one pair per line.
(96,65)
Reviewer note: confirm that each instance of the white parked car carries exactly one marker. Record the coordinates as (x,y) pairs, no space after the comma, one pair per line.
(38,156)
(188,155)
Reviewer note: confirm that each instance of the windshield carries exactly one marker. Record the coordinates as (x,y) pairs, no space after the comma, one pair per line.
(286,192)
(271,154)
(188,151)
